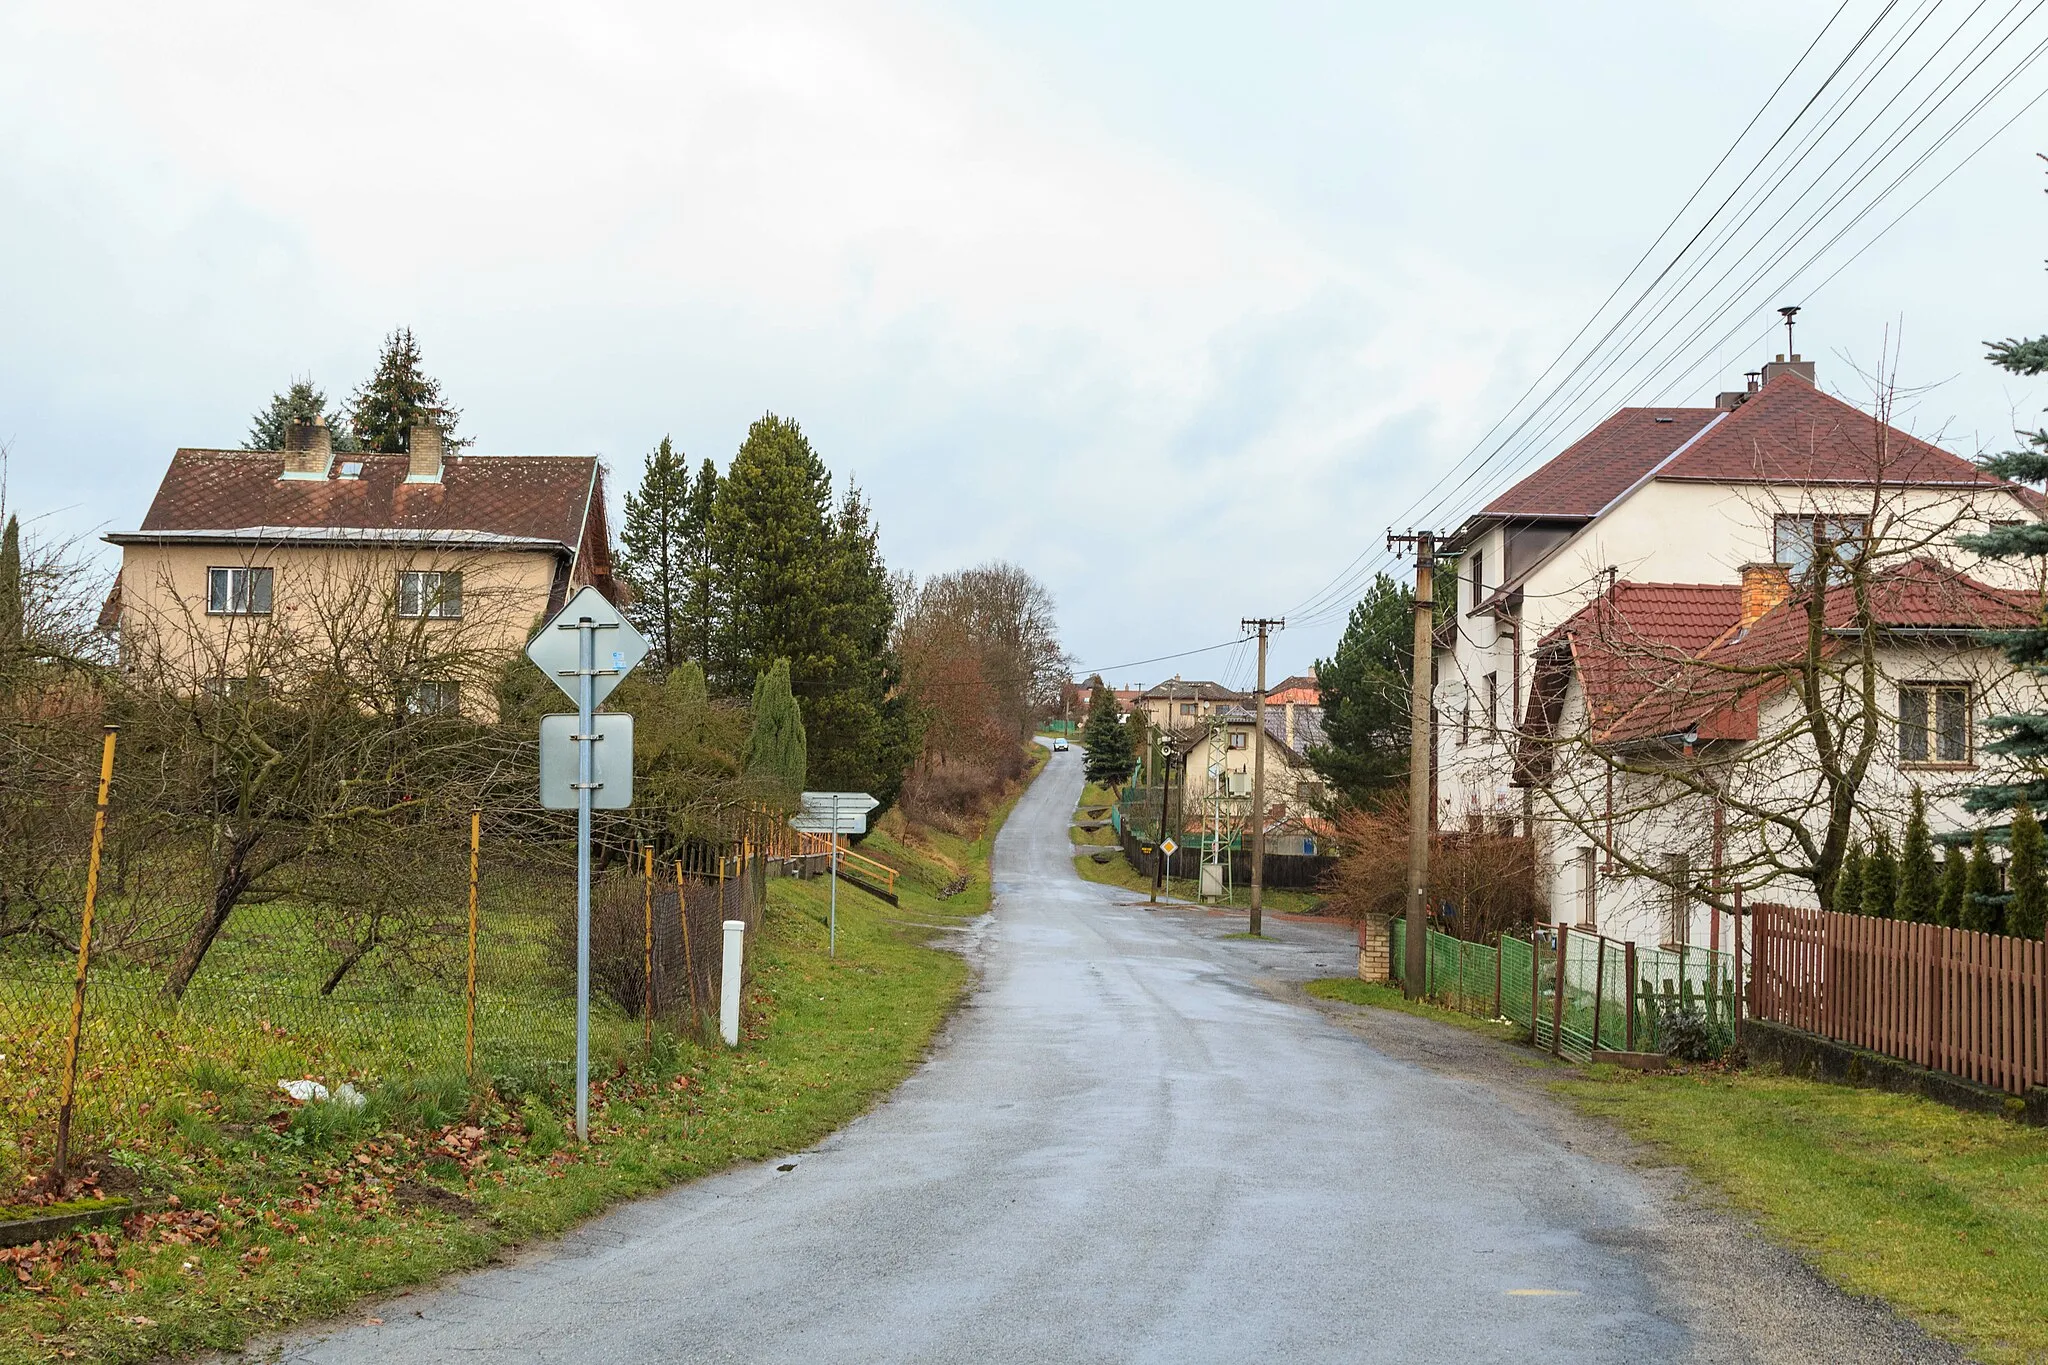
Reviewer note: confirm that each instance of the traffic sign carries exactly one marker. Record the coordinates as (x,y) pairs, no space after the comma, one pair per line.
(611,761)
(619,647)
(1168,847)
(833,813)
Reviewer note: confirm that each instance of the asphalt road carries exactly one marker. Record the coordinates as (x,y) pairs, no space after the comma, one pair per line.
(1133,1146)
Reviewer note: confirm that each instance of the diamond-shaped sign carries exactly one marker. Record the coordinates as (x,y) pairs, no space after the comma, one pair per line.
(556,650)
(1168,847)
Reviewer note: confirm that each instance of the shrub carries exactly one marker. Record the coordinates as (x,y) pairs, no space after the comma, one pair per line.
(1685,1034)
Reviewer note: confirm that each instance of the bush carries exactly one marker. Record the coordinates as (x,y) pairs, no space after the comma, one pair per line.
(1686,1035)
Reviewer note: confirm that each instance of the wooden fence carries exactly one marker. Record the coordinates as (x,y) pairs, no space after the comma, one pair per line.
(1973,1005)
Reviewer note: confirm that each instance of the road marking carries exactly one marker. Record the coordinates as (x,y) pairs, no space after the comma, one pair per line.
(1543,1293)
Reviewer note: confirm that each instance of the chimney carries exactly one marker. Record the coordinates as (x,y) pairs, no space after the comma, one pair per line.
(1290,725)
(423,439)
(1753,380)
(1802,368)
(1764,588)
(308,450)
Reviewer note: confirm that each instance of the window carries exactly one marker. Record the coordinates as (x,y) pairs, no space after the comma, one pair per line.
(434,699)
(1492,681)
(1934,723)
(1793,539)
(238,592)
(1588,889)
(1237,739)
(1465,723)
(1478,579)
(434,595)
(1187,708)
(1678,917)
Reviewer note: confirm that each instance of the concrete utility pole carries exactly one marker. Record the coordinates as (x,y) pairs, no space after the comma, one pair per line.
(1261,624)
(1414,959)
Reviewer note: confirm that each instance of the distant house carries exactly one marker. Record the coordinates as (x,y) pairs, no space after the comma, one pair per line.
(1180,701)
(1300,690)
(246,545)
(1216,770)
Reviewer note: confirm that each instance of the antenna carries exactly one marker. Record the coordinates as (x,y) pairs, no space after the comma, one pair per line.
(1788,313)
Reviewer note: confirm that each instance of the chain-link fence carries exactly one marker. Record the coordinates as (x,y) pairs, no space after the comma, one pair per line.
(487,998)
(1609,995)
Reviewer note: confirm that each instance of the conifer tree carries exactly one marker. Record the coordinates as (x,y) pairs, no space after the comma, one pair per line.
(701,598)
(1365,695)
(1955,887)
(653,552)
(2027,911)
(1918,888)
(300,402)
(1108,743)
(1880,878)
(774,758)
(398,396)
(1984,908)
(1849,881)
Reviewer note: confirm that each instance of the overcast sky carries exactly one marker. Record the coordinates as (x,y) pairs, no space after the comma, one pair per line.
(1177,306)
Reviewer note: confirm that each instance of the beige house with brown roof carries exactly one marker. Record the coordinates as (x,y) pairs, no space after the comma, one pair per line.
(441,562)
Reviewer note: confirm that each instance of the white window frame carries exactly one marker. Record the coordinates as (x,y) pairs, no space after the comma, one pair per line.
(430,594)
(434,697)
(1921,705)
(238,590)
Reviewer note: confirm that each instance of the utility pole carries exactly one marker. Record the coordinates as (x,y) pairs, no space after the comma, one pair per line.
(1261,624)
(1414,958)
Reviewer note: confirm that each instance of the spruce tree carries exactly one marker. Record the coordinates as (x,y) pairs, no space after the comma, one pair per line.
(300,402)
(1849,881)
(1108,742)
(1880,878)
(1955,887)
(701,598)
(398,396)
(1365,695)
(1984,908)
(1918,887)
(774,757)
(2027,910)
(653,551)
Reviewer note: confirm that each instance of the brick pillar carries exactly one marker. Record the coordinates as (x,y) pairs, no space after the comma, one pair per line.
(1375,949)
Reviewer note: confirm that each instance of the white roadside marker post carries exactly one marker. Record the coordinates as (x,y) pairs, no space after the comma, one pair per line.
(729,982)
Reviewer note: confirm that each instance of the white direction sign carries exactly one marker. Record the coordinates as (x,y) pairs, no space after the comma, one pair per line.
(833,813)
(619,646)
(611,761)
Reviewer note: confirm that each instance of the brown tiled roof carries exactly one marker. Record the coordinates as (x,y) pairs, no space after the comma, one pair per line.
(1180,689)
(1791,432)
(530,497)
(1601,465)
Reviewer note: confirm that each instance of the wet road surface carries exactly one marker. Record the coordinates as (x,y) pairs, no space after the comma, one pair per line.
(1129,1147)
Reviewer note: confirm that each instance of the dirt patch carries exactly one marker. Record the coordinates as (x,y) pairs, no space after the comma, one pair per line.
(425,1194)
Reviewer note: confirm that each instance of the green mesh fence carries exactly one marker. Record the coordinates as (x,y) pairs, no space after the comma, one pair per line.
(1610,1000)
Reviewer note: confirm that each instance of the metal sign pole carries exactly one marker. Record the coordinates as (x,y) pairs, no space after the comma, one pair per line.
(832,928)
(586,778)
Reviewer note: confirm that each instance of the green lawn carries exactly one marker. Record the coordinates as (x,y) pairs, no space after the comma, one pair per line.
(1119,872)
(288,1214)
(1380,996)
(1941,1213)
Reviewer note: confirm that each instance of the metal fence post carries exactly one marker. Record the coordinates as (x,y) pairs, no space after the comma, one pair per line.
(647,960)
(1628,961)
(1557,996)
(1500,944)
(1599,986)
(476,821)
(1535,987)
(58,1169)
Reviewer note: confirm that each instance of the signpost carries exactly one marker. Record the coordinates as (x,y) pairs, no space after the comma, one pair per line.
(567,649)
(833,814)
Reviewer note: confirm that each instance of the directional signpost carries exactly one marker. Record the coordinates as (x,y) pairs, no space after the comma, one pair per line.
(568,649)
(834,814)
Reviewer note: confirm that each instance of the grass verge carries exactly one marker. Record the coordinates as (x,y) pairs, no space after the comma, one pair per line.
(1379,996)
(1119,872)
(285,1214)
(1943,1214)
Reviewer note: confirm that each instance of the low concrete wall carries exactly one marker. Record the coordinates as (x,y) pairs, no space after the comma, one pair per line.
(1809,1054)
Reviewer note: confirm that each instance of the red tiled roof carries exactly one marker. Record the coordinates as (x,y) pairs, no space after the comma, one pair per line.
(1601,465)
(532,497)
(1637,637)
(1791,432)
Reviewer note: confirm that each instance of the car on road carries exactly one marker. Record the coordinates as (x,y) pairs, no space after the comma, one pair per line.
(1059,746)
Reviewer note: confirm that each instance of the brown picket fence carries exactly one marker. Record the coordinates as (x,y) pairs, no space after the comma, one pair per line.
(1969,1004)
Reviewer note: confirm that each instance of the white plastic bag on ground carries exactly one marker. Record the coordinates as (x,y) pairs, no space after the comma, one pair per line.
(349,1097)
(304,1091)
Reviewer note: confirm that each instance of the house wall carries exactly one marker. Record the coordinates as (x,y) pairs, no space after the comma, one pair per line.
(1289,781)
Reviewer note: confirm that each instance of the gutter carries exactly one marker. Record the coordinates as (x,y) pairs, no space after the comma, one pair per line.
(332,535)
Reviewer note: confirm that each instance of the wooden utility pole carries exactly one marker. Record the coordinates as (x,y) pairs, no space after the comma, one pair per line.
(1260,624)
(1414,959)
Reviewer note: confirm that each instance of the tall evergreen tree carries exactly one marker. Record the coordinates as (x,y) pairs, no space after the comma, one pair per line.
(1849,882)
(300,402)
(1955,887)
(1880,878)
(701,598)
(1984,910)
(1918,888)
(2027,912)
(653,558)
(398,396)
(1106,738)
(775,755)
(1364,690)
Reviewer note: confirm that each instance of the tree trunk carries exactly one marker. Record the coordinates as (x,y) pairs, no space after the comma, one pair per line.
(356,953)
(227,893)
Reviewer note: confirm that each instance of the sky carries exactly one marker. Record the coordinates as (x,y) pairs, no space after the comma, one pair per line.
(1179,307)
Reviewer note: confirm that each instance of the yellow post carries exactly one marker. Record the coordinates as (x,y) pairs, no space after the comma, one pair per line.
(92,892)
(476,830)
(683,917)
(647,963)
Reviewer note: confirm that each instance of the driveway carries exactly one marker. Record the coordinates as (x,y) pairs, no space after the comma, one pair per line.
(1138,1142)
